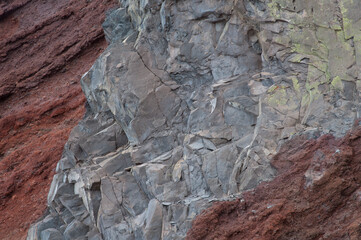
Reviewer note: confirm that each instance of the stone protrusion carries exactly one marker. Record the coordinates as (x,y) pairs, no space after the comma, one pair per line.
(189,104)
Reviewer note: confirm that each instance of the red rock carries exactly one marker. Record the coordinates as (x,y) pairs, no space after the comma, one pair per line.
(45,47)
(316,195)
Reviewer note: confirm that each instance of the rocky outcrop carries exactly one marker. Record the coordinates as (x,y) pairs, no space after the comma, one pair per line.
(315,196)
(189,104)
(45,47)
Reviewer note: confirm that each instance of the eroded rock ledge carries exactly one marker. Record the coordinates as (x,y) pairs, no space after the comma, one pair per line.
(189,104)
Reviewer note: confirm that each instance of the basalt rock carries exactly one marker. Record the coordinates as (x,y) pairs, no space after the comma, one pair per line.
(190,102)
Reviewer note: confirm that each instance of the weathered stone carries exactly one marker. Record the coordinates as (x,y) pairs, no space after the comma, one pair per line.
(154,221)
(117,25)
(75,229)
(134,199)
(51,234)
(153,148)
(63,164)
(102,142)
(192,108)
(74,204)
(119,231)
(116,163)
(57,180)
(217,167)
(48,222)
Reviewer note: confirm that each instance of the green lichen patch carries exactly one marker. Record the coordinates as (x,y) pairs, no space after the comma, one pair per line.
(337,83)
(325,35)
(350,10)
(277,96)
(296,84)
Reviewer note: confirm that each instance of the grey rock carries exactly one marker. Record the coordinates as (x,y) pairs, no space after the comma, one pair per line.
(134,199)
(217,167)
(74,204)
(154,221)
(116,163)
(117,25)
(49,222)
(51,234)
(119,231)
(75,229)
(102,142)
(64,164)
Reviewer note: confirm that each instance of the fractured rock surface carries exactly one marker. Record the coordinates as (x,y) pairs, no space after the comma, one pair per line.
(45,47)
(190,102)
(315,196)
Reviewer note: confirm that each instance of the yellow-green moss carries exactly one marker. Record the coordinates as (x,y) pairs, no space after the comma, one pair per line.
(296,84)
(337,83)
(277,97)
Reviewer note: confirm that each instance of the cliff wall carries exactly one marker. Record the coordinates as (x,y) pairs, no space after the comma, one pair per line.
(189,104)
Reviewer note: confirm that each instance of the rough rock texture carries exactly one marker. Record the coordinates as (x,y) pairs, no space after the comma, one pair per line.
(189,104)
(317,195)
(40,37)
(45,47)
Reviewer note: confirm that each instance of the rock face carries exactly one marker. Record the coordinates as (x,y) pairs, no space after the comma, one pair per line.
(190,102)
(315,196)
(45,47)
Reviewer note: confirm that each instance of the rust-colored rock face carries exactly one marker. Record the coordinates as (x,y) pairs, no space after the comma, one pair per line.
(45,47)
(317,195)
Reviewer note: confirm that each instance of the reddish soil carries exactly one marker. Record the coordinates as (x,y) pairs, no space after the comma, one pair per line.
(45,47)
(317,195)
